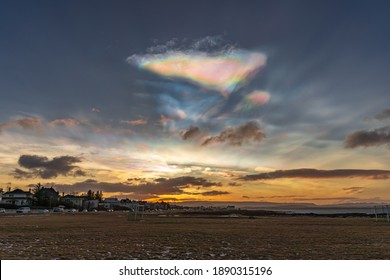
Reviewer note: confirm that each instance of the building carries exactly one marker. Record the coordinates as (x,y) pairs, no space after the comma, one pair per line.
(90,204)
(73,201)
(47,197)
(18,198)
(111,202)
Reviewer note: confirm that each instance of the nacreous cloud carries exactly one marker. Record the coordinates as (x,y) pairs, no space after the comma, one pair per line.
(25,123)
(42,167)
(368,138)
(236,136)
(220,72)
(306,173)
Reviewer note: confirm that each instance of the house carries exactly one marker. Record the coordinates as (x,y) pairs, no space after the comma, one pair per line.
(47,197)
(73,201)
(17,197)
(90,204)
(111,202)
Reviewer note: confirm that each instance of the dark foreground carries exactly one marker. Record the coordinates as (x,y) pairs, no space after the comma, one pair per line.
(112,236)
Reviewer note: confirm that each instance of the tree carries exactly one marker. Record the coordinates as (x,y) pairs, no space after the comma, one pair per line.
(99,195)
(46,197)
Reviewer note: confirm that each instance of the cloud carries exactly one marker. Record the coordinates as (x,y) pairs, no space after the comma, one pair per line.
(159,186)
(25,123)
(64,122)
(306,173)
(213,193)
(326,198)
(207,43)
(279,196)
(223,72)
(376,137)
(236,136)
(253,100)
(164,120)
(161,48)
(354,189)
(42,167)
(21,174)
(190,133)
(134,122)
(383,115)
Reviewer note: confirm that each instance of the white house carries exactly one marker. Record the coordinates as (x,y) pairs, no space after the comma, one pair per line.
(17,197)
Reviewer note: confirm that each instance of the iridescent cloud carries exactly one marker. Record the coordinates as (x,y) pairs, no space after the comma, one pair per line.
(64,122)
(134,122)
(253,100)
(220,72)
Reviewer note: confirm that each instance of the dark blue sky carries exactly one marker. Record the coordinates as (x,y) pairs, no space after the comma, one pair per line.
(71,54)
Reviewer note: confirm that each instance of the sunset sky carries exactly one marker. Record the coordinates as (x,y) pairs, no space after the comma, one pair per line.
(280,101)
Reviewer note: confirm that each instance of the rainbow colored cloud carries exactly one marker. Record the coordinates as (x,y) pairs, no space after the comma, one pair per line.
(219,72)
(253,100)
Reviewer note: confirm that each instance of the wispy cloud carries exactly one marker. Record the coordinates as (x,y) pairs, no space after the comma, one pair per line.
(385,114)
(134,122)
(354,189)
(306,173)
(64,122)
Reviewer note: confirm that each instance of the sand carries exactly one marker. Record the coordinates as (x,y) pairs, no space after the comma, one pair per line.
(111,235)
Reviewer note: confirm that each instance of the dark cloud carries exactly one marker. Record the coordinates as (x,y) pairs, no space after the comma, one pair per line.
(383,115)
(234,184)
(236,136)
(376,137)
(306,173)
(21,174)
(43,167)
(190,133)
(213,193)
(159,186)
(25,123)
(326,198)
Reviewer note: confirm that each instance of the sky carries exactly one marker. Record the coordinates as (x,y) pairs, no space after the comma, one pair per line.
(279,101)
